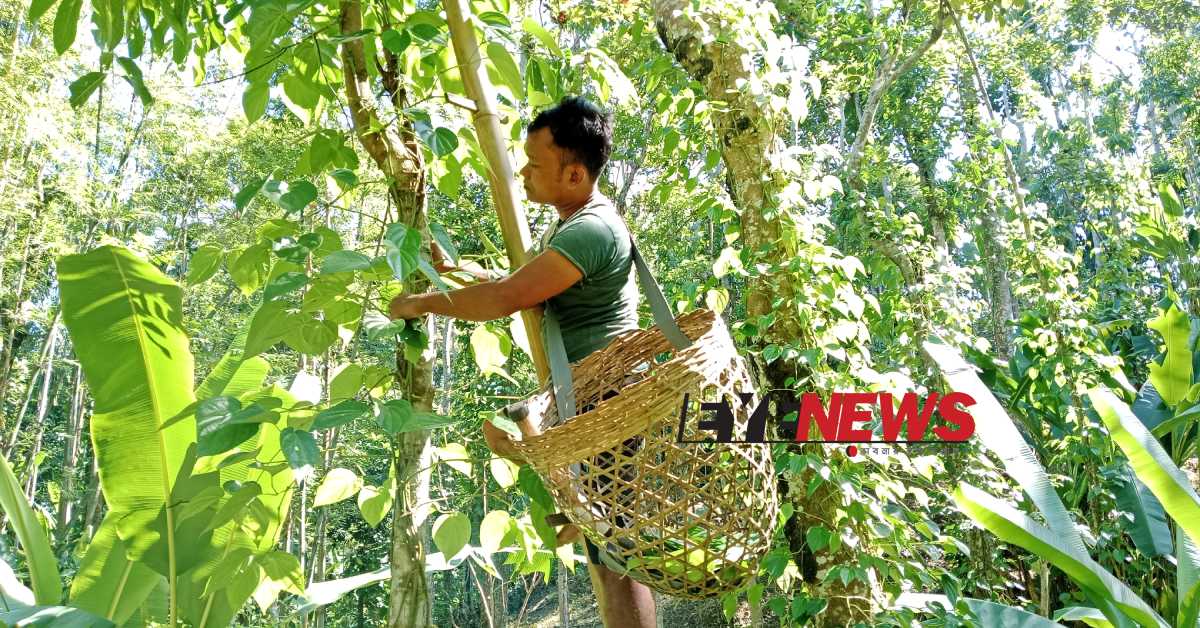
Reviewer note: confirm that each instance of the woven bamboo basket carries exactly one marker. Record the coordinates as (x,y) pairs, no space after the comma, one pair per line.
(690,520)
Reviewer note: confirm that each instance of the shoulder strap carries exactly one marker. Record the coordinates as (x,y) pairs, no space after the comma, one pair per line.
(560,368)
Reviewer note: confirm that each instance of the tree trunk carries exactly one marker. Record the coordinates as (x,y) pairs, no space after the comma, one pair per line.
(66,507)
(397,153)
(750,150)
(993,243)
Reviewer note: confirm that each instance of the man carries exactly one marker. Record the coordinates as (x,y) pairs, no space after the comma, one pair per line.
(585,276)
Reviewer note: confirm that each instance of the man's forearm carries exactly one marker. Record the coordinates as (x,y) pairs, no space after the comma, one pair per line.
(481,302)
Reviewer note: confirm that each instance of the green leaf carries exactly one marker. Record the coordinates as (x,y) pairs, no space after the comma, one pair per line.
(254,100)
(108,583)
(396,41)
(485,345)
(121,310)
(995,430)
(284,284)
(1150,532)
(535,29)
(66,21)
(38,8)
(492,530)
(133,75)
(291,196)
(443,141)
(455,456)
(1173,376)
(345,261)
(988,613)
(451,532)
(280,573)
(403,249)
(1087,615)
(339,484)
(1013,526)
(374,503)
(270,324)
(83,87)
(43,568)
(394,415)
(204,263)
(347,381)
(300,449)
(346,179)
(510,75)
(341,414)
(247,193)
(1170,200)
(57,616)
(312,336)
(222,424)
(249,269)
(1150,462)
(504,471)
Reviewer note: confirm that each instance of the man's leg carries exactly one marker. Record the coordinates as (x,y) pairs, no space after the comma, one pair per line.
(623,602)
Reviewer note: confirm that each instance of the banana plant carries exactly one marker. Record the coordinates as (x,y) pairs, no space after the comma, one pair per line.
(196,489)
(1114,603)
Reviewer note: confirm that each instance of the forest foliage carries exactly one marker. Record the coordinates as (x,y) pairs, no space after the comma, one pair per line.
(206,416)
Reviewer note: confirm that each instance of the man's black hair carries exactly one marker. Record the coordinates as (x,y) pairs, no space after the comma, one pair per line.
(581,129)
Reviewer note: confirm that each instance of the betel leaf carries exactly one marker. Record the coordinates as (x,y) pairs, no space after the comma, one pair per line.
(247,193)
(222,424)
(340,483)
(344,177)
(291,196)
(396,41)
(249,268)
(345,261)
(451,532)
(442,141)
(301,451)
(284,284)
(270,324)
(374,503)
(403,249)
(341,414)
(311,336)
(204,263)
(492,529)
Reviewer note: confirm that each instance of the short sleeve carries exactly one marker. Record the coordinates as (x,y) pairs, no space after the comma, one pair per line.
(588,242)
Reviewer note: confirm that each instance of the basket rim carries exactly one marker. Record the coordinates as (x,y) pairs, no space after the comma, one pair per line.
(677,363)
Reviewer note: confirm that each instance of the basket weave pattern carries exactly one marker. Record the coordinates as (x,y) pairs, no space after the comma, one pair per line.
(689,520)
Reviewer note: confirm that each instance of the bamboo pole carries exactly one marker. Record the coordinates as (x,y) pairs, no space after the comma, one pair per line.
(513,225)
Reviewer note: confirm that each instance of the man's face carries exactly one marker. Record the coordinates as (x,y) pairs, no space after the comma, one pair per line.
(545,178)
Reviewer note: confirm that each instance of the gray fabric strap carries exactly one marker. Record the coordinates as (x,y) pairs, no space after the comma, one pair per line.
(560,368)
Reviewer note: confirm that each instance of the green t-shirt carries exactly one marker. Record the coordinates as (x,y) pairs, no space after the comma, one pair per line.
(603,304)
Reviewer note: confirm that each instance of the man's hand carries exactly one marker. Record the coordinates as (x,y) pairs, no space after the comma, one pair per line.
(501,443)
(406,306)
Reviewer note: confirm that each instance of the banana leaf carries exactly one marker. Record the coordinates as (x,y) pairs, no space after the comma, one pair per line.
(1014,526)
(43,569)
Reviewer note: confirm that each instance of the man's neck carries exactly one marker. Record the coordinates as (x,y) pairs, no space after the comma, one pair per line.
(567,210)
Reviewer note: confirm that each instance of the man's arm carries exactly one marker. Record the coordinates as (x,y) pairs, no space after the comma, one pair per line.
(543,277)
(474,272)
